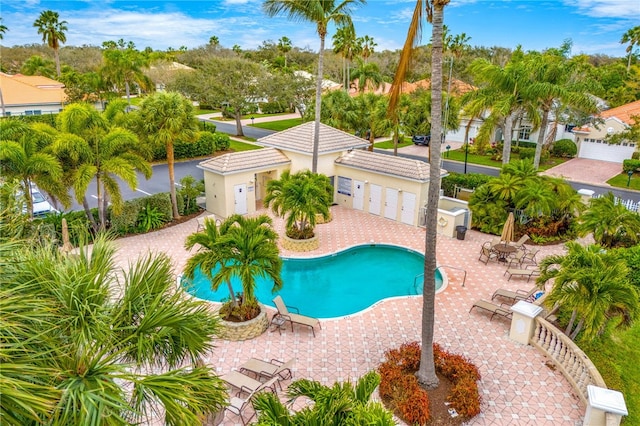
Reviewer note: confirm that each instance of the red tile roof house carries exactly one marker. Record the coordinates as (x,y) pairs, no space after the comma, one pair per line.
(30,95)
(591,139)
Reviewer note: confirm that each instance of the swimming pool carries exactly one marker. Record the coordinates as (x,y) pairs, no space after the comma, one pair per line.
(335,285)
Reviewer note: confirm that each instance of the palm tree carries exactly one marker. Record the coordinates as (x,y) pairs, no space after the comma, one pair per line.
(87,343)
(611,223)
(435,14)
(163,119)
(3,29)
(37,65)
(241,247)
(368,76)
(214,41)
(344,43)
(322,13)
(299,198)
(366,45)
(284,46)
(100,151)
(22,157)
(632,36)
(53,32)
(341,404)
(123,66)
(593,285)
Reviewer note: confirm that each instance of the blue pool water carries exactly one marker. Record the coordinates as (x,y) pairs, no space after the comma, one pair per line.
(336,285)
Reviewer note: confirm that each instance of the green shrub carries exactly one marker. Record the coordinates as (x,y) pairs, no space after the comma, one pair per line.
(162,202)
(564,148)
(635,155)
(631,165)
(222,141)
(469,181)
(273,107)
(527,153)
(204,145)
(125,222)
(150,218)
(188,193)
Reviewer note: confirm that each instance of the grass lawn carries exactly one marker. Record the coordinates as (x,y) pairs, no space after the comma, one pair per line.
(279,125)
(241,146)
(621,180)
(389,143)
(199,111)
(618,360)
(484,160)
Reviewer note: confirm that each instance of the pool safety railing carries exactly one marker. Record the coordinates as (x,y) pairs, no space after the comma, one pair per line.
(464,278)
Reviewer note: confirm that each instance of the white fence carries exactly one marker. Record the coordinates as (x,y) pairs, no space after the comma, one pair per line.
(629,204)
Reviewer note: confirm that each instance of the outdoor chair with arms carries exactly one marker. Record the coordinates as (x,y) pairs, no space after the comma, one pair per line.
(283,312)
(486,251)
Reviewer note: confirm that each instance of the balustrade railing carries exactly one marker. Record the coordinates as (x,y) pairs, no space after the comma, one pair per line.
(567,356)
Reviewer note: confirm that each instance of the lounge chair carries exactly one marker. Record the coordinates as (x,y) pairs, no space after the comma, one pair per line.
(515,295)
(520,243)
(268,369)
(246,384)
(522,272)
(237,405)
(501,310)
(487,252)
(530,257)
(283,312)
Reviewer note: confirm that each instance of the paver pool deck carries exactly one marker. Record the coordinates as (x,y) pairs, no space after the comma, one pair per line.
(519,386)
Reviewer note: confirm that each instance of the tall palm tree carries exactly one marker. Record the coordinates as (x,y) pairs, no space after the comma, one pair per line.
(99,151)
(22,157)
(368,76)
(240,247)
(322,13)
(284,46)
(87,343)
(3,29)
(163,119)
(344,43)
(611,223)
(341,404)
(53,32)
(367,45)
(123,66)
(435,14)
(632,36)
(593,284)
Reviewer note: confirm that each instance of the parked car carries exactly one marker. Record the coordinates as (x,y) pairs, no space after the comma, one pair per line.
(421,139)
(41,205)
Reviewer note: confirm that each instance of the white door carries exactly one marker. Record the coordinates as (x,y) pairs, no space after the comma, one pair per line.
(358,195)
(391,203)
(375,195)
(240,198)
(408,207)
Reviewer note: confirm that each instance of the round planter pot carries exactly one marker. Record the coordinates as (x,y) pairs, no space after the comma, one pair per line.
(245,330)
(300,245)
(320,220)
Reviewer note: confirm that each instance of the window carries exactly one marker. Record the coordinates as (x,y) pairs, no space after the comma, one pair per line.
(524,133)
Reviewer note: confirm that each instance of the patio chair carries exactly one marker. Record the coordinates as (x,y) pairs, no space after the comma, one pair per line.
(246,384)
(500,310)
(283,311)
(268,369)
(516,295)
(522,272)
(238,405)
(487,252)
(520,243)
(516,258)
(530,257)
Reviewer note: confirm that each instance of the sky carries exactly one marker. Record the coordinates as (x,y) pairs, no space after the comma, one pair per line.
(594,26)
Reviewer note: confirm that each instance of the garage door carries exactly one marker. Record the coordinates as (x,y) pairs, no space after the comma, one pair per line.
(605,152)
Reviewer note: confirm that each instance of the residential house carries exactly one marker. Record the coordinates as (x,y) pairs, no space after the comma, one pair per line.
(591,139)
(30,95)
(393,187)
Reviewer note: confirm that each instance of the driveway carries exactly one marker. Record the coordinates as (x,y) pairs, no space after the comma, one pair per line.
(586,171)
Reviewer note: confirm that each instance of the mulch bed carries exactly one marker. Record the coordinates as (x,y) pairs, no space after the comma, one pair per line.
(439,410)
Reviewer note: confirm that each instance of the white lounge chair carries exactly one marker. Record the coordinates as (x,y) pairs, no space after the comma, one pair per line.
(268,369)
(246,384)
(283,312)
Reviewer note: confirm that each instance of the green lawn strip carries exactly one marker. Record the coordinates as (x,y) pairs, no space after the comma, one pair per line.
(279,125)
(621,180)
(388,144)
(242,146)
(484,160)
(617,358)
(205,111)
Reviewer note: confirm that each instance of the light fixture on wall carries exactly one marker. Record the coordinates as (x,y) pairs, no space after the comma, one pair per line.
(251,181)
(399,189)
(366,182)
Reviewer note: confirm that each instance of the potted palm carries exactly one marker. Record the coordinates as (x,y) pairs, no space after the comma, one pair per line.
(300,198)
(244,248)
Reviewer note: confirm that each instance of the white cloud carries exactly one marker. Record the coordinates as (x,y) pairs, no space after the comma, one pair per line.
(629,9)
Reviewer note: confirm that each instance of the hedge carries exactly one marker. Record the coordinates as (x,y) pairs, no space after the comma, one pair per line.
(203,146)
(564,148)
(469,181)
(126,222)
(631,165)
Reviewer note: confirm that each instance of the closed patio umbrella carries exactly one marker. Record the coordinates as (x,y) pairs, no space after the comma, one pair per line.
(508,229)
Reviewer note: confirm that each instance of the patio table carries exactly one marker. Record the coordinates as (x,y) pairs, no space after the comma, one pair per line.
(504,250)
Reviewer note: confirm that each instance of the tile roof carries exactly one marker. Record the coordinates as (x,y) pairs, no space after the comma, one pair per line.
(30,90)
(246,160)
(624,112)
(300,139)
(387,164)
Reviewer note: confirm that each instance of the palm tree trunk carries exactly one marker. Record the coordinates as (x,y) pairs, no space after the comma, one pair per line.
(234,300)
(571,321)
(172,181)
(427,373)
(101,211)
(87,211)
(57,58)
(577,329)
(316,130)
(541,134)
(2,103)
(508,130)
(395,140)
(126,89)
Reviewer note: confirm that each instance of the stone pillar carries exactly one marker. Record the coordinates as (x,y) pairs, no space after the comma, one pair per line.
(601,402)
(523,322)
